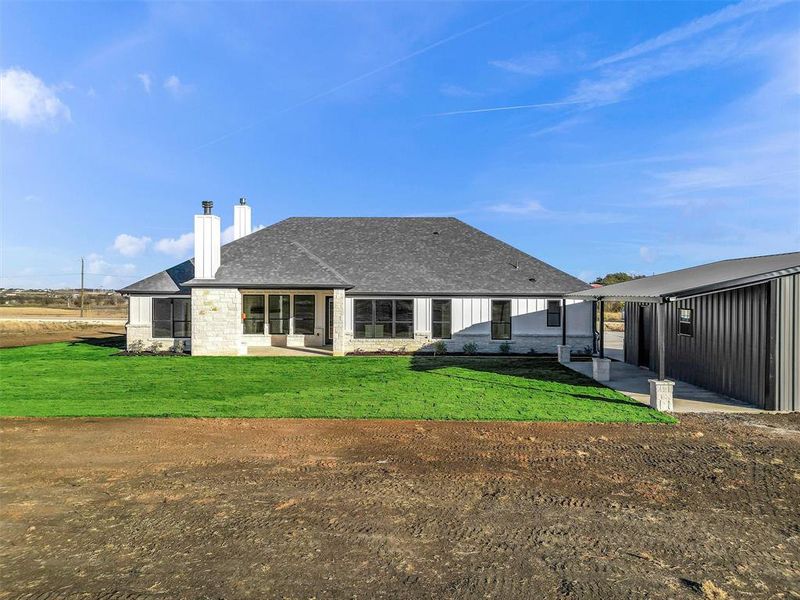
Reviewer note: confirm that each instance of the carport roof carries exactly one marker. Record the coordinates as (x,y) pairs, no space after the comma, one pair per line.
(696,281)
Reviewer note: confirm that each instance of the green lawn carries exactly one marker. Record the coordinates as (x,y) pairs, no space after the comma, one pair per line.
(81,379)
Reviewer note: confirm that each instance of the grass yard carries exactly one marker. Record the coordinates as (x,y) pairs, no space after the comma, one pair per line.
(83,379)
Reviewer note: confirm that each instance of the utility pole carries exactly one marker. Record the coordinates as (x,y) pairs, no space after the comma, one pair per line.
(82,287)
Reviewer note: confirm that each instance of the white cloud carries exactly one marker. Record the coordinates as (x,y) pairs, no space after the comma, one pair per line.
(560,127)
(176,87)
(96,264)
(130,245)
(537,63)
(647,254)
(457,91)
(147,82)
(521,208)
(616,82)
(179,247)
(726,15)
(535,210)
(227,235)
(183,245)
(26,100)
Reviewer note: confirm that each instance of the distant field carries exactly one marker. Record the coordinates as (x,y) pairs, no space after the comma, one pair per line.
(46,311)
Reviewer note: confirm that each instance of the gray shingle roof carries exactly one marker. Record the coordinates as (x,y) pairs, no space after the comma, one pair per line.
(702,279)
(166,282)
(402,255)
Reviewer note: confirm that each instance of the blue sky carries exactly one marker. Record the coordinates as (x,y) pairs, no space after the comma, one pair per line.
(596,136)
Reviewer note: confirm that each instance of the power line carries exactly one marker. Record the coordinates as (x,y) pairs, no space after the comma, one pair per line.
(67,274)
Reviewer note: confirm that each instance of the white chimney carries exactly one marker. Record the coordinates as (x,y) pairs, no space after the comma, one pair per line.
(206,243)
(242,219)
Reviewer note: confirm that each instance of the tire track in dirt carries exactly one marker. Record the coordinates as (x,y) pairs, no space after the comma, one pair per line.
(141,509)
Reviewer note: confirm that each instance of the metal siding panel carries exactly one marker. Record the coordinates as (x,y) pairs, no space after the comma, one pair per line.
(787,352)
(726,353)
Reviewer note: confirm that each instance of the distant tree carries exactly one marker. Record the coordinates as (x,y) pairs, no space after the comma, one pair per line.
(610,278)
(618,277)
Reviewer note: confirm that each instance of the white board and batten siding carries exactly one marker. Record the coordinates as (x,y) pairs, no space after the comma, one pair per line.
(140,310)
(472,316)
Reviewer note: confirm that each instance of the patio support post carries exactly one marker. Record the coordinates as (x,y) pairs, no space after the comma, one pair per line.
(602,329)
(338,322)
(661,389)
(562,350)
(661,328)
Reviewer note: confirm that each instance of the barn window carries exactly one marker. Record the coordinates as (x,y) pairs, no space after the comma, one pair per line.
(383,318)
(441,327)
(501,319)
(685,322)
(172,318)
(554,313)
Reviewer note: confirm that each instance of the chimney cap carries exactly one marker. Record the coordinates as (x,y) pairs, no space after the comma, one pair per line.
(207,206)
(242,200)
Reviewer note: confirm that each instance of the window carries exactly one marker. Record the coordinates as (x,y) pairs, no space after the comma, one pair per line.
(685,322)
(383,318)
(172,318)
(253,314)
(501,319)
(554,313)
(279,314)
(304,314)
(441,319)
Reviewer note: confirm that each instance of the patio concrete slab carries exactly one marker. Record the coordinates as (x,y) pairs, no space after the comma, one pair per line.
(687,398)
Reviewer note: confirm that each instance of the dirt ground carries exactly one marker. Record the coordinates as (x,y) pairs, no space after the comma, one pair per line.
(30,333)
(182,508)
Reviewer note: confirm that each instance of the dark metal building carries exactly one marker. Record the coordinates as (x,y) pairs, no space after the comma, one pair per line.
(732,327)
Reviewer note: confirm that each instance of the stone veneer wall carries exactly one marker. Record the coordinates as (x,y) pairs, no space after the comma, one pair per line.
(216,321)
(521,344)
(144,334)
(418,342)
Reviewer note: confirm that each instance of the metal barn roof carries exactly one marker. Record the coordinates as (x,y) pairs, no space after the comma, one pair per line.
(695,281)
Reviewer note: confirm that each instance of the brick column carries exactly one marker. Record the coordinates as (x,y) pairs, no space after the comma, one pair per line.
(338,322)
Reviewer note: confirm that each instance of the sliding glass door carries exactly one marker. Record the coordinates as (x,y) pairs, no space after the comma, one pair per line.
(279,314)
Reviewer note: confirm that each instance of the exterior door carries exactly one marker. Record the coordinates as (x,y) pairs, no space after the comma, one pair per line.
(645,312)
(328,320)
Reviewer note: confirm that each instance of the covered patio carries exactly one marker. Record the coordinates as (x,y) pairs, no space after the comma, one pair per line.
(686,398)
(709,325)
(730,328)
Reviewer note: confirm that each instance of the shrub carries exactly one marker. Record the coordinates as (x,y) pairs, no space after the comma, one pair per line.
(505,348)
(470,348)
(439,348)
(136,347)
(154,348)
(177,347)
